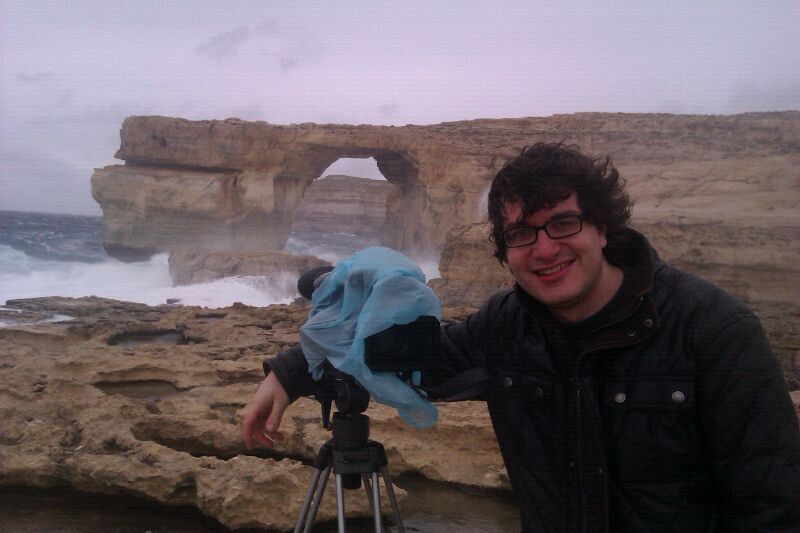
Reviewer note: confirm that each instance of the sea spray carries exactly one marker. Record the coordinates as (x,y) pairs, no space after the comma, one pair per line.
(145,282)
(62,255)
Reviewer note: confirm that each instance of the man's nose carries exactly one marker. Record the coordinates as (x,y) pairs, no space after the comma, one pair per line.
(544,247)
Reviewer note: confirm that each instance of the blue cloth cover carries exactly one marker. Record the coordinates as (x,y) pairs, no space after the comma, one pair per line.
(373,290)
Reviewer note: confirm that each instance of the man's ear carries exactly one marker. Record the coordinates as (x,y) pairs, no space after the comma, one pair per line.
(602,231)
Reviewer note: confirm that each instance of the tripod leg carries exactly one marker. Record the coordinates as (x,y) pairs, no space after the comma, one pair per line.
(367,487)
(387,480)
(312,487)
(340,502)
(376,503)
(319,493)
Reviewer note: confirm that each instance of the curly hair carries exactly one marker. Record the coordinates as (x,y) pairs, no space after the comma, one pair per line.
(545,174)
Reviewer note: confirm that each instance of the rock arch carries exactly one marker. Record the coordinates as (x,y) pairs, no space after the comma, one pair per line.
(400,168)
(349,197)
(234,185)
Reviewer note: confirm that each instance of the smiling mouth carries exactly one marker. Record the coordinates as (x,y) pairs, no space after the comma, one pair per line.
(552,270)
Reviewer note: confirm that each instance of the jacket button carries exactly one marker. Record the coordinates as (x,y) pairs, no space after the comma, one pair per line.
(507,382)
(678,396)
(538,393)
(620,397)
(631,333)
(648,323)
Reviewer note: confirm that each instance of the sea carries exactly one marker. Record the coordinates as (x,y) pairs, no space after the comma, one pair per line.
(45,254)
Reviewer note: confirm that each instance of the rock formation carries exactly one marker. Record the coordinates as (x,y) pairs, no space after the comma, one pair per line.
(187,266)
(753,258)
(234,185)
(717,195)
(343,204)
(146,401)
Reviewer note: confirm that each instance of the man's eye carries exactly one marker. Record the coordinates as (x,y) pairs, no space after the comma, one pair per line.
(562,224)
(522,233)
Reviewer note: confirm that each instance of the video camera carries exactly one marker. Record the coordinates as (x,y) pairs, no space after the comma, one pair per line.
(402,348)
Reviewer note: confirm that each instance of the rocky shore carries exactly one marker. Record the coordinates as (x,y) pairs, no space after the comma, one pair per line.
(122,398)
(119,398)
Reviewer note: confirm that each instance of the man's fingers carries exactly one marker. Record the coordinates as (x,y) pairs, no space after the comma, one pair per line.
(262,438)
(247,431)
(273,422)
(249,425)
(274,435)
(263,414)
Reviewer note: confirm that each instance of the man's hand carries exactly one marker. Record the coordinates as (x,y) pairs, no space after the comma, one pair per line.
(262,416)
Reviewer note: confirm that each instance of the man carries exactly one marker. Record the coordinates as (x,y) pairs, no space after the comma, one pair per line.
(629,396)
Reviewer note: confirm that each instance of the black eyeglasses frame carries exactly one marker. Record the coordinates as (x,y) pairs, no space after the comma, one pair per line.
(543,227)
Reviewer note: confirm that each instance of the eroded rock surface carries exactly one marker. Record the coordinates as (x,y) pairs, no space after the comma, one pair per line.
(234,185)
(343,204)
(130,399)
(189,266)
(757,261)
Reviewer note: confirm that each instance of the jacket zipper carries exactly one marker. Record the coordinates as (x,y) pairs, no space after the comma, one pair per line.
(579,461)
(579,458)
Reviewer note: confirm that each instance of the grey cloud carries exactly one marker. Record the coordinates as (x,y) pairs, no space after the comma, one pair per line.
(109,114)
(287,63)
(41,181)
(249,112)
(225,44)
(65,99)
(303,54)
(268,27)
(765,97)
(35,77)
(389,110)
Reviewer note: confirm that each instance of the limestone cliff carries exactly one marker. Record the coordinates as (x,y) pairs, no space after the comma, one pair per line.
(343,204)
(717,195)
(757,260)
(234,185)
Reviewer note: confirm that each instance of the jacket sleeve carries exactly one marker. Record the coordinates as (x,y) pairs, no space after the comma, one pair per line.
(464,346)
(749,426)
(291,369)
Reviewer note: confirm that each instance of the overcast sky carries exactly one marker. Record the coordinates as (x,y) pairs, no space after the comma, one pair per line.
(71,71)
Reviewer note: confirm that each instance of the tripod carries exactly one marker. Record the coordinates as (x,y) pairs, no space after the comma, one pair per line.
(350,454)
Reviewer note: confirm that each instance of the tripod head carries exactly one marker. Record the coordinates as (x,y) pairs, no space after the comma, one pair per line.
(400,349)
(350,427)
(343,389)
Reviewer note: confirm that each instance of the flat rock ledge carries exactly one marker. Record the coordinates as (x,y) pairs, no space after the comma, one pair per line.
(188,266)
(119,398)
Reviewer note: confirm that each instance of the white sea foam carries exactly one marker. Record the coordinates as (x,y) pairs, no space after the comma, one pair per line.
(23,276)
(147,282)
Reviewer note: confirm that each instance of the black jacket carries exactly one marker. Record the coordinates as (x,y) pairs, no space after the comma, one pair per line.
(673,416)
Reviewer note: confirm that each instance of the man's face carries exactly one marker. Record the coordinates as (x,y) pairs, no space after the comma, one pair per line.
(570,275)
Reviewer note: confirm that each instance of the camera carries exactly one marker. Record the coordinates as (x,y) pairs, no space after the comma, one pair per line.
(404,348)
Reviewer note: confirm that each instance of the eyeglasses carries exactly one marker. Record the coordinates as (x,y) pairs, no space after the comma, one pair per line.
(558,228)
